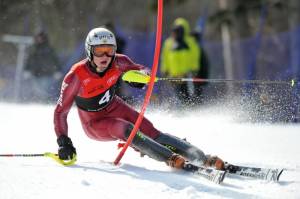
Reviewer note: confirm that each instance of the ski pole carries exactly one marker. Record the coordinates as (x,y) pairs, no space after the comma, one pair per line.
(47,154)
(139,77)
(21,155)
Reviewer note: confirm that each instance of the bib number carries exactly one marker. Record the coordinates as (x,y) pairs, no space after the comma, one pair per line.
(105,98)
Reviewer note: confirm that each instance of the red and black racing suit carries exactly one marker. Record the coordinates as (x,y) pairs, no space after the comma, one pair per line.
(104,116)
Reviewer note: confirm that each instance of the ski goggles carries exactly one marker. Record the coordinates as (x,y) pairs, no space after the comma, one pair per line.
(102,50)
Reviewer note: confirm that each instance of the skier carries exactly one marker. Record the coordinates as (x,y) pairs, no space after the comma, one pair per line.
(105,116)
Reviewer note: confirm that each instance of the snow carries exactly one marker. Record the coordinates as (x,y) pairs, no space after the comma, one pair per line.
(29,129)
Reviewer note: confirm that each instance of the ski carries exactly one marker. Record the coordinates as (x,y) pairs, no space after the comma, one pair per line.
(267,174)
(211,174)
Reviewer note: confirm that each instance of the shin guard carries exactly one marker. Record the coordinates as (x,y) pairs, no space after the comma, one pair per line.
(182,147)
(149,147)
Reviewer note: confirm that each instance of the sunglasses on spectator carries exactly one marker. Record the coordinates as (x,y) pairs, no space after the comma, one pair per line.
(100,50)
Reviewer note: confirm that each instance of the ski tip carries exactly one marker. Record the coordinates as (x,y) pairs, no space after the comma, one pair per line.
(223,177)
(279,174)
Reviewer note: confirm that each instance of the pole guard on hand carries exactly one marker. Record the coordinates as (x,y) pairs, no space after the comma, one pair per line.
(60,161)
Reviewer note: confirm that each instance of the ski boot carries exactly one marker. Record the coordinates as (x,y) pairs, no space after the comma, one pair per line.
(215,162)
(176,161)
(190,152)
(147,146)
(182,147)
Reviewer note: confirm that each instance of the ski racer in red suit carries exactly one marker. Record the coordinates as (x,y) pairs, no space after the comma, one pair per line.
(104,116)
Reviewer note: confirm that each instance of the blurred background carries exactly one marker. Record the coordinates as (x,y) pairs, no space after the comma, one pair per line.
(238,40)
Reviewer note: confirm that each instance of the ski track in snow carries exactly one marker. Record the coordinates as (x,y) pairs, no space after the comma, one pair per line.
(29,129)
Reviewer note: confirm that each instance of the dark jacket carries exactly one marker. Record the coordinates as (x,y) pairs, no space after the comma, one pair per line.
(42,60)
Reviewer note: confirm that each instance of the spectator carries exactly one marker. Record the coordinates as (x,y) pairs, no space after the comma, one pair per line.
(203,71)
(122,89)
(42,69)
(180,59)
(121,43)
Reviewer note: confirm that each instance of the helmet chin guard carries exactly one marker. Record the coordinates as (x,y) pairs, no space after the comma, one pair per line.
(98,36)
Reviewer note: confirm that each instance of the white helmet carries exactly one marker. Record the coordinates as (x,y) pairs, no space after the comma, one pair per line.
(98,36)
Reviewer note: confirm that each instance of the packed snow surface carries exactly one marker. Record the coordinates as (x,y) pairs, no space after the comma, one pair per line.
(29,129)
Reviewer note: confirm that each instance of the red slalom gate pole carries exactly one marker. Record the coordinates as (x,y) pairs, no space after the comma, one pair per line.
(151,83)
